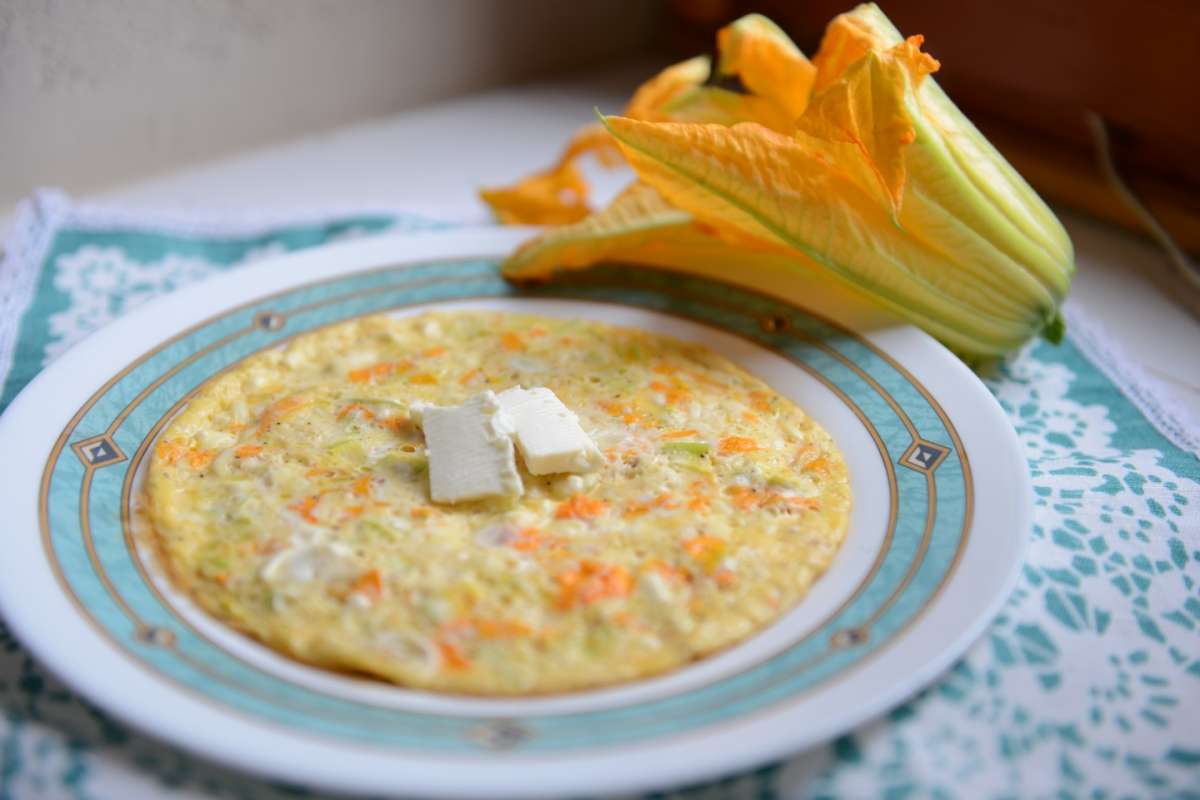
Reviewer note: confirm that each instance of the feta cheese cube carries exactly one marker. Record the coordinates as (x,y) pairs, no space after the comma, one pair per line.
(547,432)
(470,450)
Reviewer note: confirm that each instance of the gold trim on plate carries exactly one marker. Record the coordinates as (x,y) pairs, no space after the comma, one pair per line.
(275,320)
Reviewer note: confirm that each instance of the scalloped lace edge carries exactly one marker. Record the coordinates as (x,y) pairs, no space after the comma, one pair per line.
(40,217)
(1151,397)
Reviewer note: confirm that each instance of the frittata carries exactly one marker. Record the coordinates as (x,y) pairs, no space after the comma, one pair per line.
(290,498)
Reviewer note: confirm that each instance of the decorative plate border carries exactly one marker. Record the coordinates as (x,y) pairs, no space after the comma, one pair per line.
(84,507)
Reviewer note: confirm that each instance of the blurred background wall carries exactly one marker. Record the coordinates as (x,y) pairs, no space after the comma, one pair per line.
(95,92)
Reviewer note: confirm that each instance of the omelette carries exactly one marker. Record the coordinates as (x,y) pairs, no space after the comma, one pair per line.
(291,499)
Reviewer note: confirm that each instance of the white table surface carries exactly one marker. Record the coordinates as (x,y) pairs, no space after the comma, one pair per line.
(432,160)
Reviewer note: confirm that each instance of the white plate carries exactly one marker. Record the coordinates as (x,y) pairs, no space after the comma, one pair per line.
(941,514)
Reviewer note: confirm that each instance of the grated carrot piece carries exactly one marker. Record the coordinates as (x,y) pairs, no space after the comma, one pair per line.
(590,582)
(613,409)
(199,459)
(279,409)
(672,393)
(804,453)
(614,581)
(527,539)
(468,376)
(452,656)
(397,423)
(537,331)
(345,411)
(698,499)
(362,486)
(170,451)
(725,578)
(318,472)
(530,539)
(568,583)
(736,444)
(802,503)
(818,464)
(352,512)
(500,629)
(705,549)
(700,377)
(761,401)
(383,369)
(423,379)
(434,352)
(580,506)
(369,585)
(636,508)
(247,450)
(744,498)
(305,507)
(750,416)
(683,434)
(626,413)
(511,342)
(617,582)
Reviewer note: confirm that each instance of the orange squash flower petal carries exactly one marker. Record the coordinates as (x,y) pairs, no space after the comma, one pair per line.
(554,197)
(723,107)
(798,194)
(559,195)
(769,64)
(869,107)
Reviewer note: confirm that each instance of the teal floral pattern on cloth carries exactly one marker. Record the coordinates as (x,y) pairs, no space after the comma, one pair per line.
(1086,685)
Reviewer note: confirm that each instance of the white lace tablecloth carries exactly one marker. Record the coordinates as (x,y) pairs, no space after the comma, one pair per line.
(1087,685)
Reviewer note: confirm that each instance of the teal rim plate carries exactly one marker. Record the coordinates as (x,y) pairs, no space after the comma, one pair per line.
(942,510)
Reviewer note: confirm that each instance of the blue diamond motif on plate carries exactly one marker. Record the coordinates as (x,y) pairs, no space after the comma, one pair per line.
(924,456)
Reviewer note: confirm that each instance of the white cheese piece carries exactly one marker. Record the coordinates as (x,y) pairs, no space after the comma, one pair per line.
(410,649)
(565,484)
(547,432)
(307,562)
(470,450)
